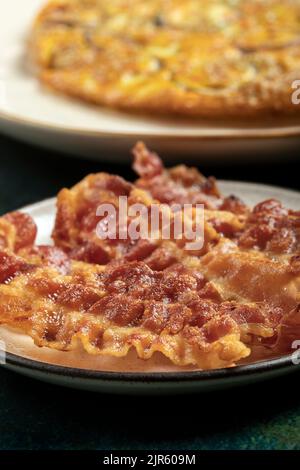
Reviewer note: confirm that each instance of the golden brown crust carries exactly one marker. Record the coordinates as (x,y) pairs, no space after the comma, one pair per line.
(225,58)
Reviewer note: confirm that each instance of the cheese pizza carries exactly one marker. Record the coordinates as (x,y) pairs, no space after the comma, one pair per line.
(200,58)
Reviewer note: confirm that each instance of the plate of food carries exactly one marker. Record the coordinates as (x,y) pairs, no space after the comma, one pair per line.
(91,78)
(91,300)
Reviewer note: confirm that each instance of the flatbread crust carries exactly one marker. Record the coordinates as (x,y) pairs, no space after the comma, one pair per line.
(199,58)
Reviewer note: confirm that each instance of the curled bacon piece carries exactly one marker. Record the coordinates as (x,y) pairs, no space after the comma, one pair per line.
(234,204)
(12,266)
(178,185)
(123,305)
(273,228)
(51,256)
(146,164)
(17,231)
(77,221)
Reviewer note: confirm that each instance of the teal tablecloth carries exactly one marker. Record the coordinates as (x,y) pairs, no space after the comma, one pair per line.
(34,415)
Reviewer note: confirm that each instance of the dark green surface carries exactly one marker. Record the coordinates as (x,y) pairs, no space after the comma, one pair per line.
(34,415)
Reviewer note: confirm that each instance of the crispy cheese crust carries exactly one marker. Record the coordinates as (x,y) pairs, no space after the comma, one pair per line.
(237,298)
(198,58)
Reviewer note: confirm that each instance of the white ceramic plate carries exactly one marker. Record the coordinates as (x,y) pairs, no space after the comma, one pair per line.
(133,375)
(33,114)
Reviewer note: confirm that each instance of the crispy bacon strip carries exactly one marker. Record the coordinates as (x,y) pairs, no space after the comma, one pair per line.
(177,185)
(128,305)
(272,228)
(17,231)
(76,219)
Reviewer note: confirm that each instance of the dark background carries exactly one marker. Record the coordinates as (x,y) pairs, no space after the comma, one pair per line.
(29,174)
(34,415)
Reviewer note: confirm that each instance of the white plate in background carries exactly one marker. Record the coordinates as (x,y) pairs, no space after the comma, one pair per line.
(33,114)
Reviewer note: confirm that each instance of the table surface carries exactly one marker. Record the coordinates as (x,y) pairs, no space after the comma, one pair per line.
(35,415)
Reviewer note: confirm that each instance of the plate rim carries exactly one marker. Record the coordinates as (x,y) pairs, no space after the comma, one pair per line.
(234,372)
(11,118)
(232,134)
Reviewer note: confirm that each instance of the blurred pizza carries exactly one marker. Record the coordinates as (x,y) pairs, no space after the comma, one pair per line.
(193,57)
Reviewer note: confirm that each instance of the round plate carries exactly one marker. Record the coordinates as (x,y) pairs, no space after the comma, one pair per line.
(132,375)
(30,113)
